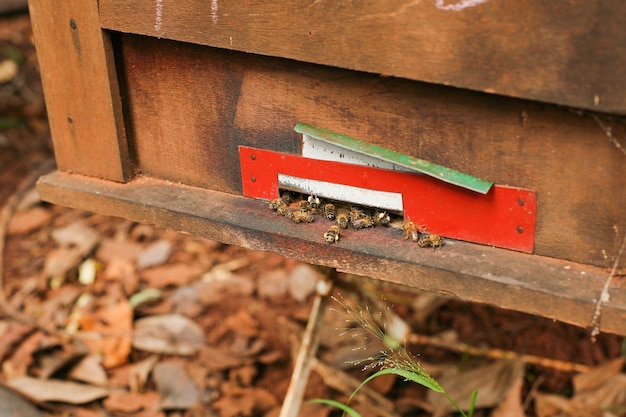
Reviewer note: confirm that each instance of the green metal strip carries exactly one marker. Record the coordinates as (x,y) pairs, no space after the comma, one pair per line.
(437,171)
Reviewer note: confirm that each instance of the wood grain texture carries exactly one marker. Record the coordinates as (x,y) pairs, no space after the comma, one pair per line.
(567,53)
(81,90)
(534,284)
(192,106)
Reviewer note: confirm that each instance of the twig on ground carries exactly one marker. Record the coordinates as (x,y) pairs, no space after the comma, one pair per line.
(308,349)
(492,353)
(534,388)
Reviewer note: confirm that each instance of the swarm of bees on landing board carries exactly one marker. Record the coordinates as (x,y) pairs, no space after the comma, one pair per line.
(304,209)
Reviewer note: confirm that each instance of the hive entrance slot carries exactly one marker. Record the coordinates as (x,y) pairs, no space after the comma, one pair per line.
(381,200)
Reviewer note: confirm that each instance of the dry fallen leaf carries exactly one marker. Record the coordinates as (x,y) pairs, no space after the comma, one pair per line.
(90,370)
(596,393)
(597,377)
(272,284)
(178,274)
(77,235)
(155,254)
(238,401)
(243,323)
(22,358)
(13,405)
(131,402)
(176,388)
(113,328)
(493,382)
(216,359)
(139,372)
(302,281)
(168,333)
(61,260)
(314,410)
(12,335)
(212,291)
(184,300)
(29,220)
(55,362)
(122,270)
(42,390)
(550,405)
(511,405)
(110,249)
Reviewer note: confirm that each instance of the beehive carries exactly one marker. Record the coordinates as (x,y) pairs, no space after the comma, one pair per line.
(150,102)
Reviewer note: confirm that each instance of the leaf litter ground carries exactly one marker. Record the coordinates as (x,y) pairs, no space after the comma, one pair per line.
(122,319)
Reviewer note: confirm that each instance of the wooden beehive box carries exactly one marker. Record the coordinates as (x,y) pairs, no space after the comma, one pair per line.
(149,102)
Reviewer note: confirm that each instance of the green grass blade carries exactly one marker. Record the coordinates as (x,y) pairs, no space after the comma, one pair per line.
(426,381)
(472,403)
(411,376)
(343,407)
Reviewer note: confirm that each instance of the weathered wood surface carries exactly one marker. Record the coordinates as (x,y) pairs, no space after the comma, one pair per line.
(568,53)
(81,91)
(534,284)
(191,107)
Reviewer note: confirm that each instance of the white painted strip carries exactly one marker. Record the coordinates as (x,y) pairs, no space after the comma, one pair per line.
(464,4)
(214,9)
(384,200)
(159,16)
(318,149)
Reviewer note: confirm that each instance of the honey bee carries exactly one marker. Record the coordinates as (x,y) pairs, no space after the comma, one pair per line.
(361,222)
(301,217)
(303,205)
(410,231)
(332,235)
(284,211)
(342,218)
(286,197)
(433,241)
(356,213)
(276,203)
(329,211)
(381,218)
(313,201)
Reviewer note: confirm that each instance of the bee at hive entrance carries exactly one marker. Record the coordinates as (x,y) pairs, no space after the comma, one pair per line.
(341,215)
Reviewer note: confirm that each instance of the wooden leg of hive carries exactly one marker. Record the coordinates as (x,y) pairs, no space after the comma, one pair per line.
(308,348)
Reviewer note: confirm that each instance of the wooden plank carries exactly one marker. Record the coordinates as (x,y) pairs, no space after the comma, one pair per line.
(565,53)
(81,90)
(191,107)
(534,284)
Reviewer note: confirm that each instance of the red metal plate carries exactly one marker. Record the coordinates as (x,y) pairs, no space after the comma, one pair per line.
(504,217)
